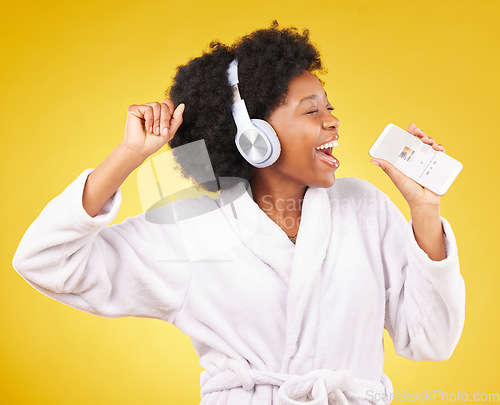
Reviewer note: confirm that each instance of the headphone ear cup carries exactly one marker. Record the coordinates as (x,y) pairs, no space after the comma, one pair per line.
(267,131)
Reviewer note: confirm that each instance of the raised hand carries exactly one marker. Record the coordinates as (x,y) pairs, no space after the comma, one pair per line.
(151,125)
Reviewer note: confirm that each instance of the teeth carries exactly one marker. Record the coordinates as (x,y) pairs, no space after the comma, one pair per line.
(328,145)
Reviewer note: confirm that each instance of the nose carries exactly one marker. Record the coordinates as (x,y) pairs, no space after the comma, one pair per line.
(331,122)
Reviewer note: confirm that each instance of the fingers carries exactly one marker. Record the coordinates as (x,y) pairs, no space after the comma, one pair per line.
(144,113)
(149,119)
(414,130)
(432,142)
(167,108)
(176,120)
(161,119)
(152,123)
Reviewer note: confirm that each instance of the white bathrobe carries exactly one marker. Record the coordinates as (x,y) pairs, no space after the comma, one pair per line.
(272,322)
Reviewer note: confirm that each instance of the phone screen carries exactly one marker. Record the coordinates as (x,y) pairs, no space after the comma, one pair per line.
(416,164)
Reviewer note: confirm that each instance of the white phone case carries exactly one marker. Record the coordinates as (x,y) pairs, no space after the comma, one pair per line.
(421,162)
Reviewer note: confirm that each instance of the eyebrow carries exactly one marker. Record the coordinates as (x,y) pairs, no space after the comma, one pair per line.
(311,97)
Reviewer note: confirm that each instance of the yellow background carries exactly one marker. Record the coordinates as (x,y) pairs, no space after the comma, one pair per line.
(69,70)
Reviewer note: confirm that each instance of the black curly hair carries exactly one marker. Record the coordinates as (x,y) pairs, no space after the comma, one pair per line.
(268,59)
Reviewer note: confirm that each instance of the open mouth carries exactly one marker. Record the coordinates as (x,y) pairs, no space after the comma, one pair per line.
(324,153)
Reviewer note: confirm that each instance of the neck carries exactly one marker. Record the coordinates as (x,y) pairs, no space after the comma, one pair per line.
(280,199)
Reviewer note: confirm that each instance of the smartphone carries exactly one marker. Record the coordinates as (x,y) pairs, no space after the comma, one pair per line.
(421,162)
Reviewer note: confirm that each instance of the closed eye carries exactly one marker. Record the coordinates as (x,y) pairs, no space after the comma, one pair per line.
(315,111)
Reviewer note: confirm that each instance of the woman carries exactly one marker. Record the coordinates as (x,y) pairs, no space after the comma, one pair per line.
(287,280)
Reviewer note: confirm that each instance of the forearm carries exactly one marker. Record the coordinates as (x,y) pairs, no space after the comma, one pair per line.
(103,182)
(428,231)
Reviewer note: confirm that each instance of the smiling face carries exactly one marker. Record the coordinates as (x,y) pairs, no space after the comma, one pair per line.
(304,122)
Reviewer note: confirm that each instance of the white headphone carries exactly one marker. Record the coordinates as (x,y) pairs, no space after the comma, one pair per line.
(255,139)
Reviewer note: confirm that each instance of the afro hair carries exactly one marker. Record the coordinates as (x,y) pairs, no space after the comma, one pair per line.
(268,59)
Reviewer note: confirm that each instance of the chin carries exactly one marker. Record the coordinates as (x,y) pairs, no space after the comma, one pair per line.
(330,183)
(324,182)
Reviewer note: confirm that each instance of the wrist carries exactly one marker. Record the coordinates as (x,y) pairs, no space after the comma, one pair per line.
(426,218)
(428,231)
(133,156)
(425,210)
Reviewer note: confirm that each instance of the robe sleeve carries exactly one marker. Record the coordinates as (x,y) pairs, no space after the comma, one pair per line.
(134,268)
(425,299)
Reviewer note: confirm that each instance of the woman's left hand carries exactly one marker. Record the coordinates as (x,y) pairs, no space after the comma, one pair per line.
(416,195)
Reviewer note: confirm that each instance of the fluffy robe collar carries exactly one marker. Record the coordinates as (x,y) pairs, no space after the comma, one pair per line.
(298,265)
